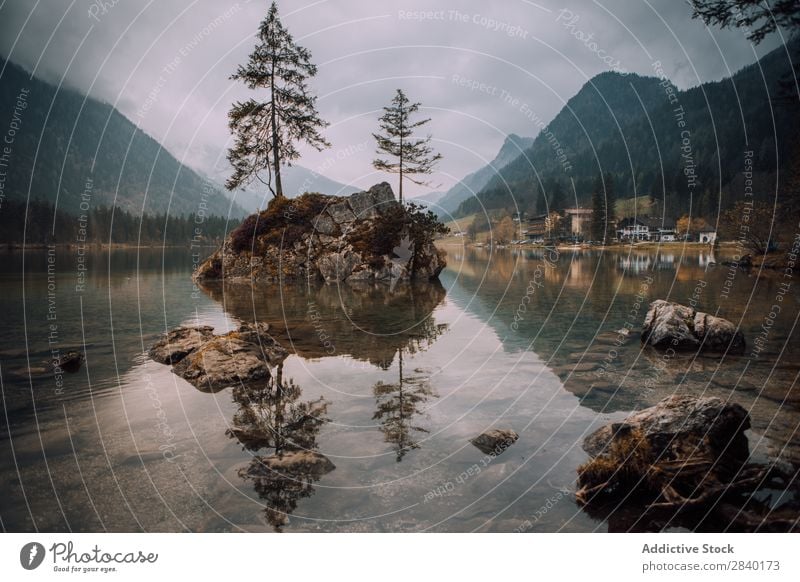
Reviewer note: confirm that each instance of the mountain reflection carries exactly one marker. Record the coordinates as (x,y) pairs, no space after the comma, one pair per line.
(272,422)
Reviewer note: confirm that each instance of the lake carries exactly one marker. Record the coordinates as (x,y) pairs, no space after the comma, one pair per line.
(388,383)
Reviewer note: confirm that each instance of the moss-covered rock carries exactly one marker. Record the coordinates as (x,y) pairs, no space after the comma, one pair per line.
(365,237)
(213,362)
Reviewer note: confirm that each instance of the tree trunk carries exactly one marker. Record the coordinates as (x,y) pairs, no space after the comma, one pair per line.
(401,155)
(276,160)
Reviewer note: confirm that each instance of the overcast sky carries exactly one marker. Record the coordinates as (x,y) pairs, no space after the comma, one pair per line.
(165,65)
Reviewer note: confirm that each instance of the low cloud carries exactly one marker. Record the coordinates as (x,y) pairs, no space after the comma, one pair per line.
(166,66)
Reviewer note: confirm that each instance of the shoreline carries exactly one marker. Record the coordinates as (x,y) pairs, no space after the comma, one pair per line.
(101,246)
(647,246)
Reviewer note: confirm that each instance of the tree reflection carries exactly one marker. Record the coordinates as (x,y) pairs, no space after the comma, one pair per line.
(398,405)
(270,418)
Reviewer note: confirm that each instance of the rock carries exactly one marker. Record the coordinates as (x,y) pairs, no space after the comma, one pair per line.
(335,267)
(495,441)
(328,238)
(678,425)
(69,362)
(428,263)
(213,362)
(179,343)
(371,203)
(362,205)
(745,262)
(325,225)
(668,324)
(341,213)
(683,463)
(671,325)
(382,195)
(717,334)
(362,274)
(293,463)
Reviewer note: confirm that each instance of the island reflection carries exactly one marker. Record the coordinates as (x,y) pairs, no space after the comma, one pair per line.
(370,323)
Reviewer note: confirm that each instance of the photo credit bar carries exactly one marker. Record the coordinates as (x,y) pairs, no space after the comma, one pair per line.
(358,557)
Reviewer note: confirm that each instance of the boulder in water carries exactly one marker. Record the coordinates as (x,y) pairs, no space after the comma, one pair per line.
(213,362)
(495,441)
(669,325)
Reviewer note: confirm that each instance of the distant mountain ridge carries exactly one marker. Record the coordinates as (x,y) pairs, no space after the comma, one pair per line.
(428,199)
(512,147)
(682,147)
(296,180)
(80,152)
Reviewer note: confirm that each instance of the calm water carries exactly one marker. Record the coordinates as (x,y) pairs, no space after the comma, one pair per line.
(388,384)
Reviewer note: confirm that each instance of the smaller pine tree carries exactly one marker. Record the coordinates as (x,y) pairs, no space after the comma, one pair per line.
(414,155)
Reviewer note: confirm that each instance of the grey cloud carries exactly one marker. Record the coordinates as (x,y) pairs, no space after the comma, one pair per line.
(365,50)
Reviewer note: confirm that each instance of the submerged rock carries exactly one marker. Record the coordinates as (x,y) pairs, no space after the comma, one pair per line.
(212,362)
(179,343)
(671,325)
(68,362)
(364,237)
(291,463)
(495,441)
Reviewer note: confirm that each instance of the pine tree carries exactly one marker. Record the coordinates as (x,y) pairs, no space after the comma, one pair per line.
(610,208)
(414,155)
(557,199)
(598,210)
(267,132)
(603,205)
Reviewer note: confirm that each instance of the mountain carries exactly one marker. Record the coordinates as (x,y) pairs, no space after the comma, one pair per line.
(81,153)
(430,199)
(512,147)
(682,147)
(296,180)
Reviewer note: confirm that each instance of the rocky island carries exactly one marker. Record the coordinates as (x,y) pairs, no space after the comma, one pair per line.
(368,236)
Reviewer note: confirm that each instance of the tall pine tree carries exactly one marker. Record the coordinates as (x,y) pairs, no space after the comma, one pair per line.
(267,131)
(598,210)
(558,201)
(414,155)
(603,208)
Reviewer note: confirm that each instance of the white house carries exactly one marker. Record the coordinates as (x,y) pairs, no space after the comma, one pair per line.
(633,229)
(645,228)
(707,236)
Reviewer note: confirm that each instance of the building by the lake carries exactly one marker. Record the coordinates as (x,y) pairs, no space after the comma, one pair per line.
(579,221)
(645,228)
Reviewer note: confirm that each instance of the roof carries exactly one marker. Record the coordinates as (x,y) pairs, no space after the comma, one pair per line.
(647,221)
(538,217)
